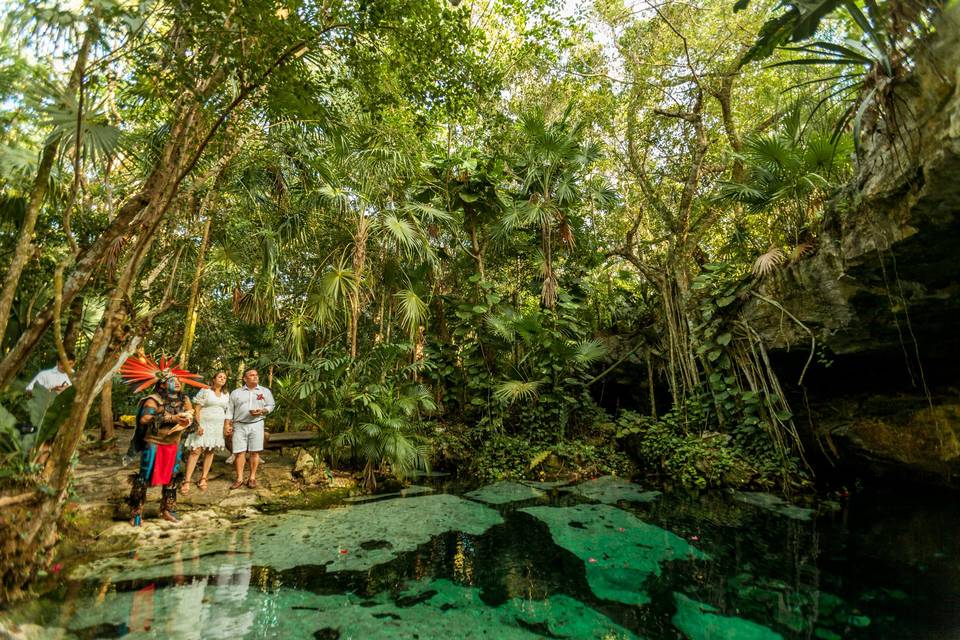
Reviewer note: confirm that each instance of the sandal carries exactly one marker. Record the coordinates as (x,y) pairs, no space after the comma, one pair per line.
(237,484)
(252,483)
(185,489)
(202,485)
(170,516)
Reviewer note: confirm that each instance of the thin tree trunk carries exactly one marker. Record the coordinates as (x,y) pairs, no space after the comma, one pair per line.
(724,97)
(189,332)
(106,412)
(74,324)
(477,250)
(650,387)
(359,263)
(38,194)
(549,292)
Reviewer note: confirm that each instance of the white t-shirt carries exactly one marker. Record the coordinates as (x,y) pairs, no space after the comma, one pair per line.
(49,379)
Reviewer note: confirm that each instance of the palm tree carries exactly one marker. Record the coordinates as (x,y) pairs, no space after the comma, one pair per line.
(787,174)
(553,165)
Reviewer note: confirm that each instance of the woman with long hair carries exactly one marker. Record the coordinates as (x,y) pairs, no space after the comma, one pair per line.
(210,406)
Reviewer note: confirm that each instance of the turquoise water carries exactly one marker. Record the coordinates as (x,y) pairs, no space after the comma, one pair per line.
(605,559)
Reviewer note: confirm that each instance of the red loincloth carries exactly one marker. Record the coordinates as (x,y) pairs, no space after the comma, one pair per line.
(164,463)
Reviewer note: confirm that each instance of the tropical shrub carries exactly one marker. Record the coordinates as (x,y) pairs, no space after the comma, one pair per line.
(369,410)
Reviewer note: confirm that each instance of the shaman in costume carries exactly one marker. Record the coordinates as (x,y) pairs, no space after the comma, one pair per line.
(162,418)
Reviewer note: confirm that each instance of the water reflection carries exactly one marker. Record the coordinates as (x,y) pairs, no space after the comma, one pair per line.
(885,569)
(227,617)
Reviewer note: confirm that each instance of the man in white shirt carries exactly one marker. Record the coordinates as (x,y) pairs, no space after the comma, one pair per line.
(55,379)
(245,422)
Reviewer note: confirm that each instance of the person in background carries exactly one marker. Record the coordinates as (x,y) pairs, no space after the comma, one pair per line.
(245,424)
(210,406)
(55,379)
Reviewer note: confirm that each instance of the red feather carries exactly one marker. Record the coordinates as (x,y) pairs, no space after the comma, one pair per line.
(145,372)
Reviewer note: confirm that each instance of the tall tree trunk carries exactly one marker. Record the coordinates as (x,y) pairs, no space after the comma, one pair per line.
(193,305)
(38,194)
(650,386)
(549,292)
(359,264)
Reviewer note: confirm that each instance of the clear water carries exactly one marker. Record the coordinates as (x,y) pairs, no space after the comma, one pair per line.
(604,560)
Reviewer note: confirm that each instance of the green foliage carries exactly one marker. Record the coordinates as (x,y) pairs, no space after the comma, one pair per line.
(43,411)
(798,22)
(864,71)
(366,410)
(692,460)
(487,453)
(423,215)
(528,370)
(787,173)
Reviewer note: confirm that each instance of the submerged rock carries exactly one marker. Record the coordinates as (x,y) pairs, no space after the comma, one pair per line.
(505,492)
(611,490)
(775,504)
(412,490)
(619,550)
(302,538)
(699,621)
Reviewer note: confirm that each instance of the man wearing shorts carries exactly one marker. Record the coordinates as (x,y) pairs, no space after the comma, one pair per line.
(244,424)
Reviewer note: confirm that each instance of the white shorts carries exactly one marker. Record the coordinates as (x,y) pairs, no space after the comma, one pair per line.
(248,437)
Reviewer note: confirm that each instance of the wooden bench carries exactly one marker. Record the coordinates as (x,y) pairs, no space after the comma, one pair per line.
(290,439)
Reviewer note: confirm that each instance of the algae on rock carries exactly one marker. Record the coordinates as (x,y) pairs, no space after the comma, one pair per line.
(505,492)
(333,538)
(619,550)
(611,490)
(699,621)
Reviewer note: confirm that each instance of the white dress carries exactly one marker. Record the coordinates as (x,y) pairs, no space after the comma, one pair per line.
(212,414)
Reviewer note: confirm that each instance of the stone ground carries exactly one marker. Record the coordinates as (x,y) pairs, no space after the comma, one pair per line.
(102,484)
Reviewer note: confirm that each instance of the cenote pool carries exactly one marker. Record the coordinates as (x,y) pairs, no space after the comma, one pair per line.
(603,559)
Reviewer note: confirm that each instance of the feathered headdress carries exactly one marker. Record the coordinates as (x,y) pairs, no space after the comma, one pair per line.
(142,372)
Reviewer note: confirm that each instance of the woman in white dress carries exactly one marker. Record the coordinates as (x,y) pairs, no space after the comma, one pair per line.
(210,406)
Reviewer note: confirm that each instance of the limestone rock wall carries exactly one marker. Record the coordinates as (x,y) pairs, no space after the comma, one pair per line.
(882,292)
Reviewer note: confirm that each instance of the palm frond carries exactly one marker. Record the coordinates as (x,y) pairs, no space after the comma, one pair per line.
(589,351)
(517,391)
(501,326)
(402,232)
(768,261)
(413,311)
